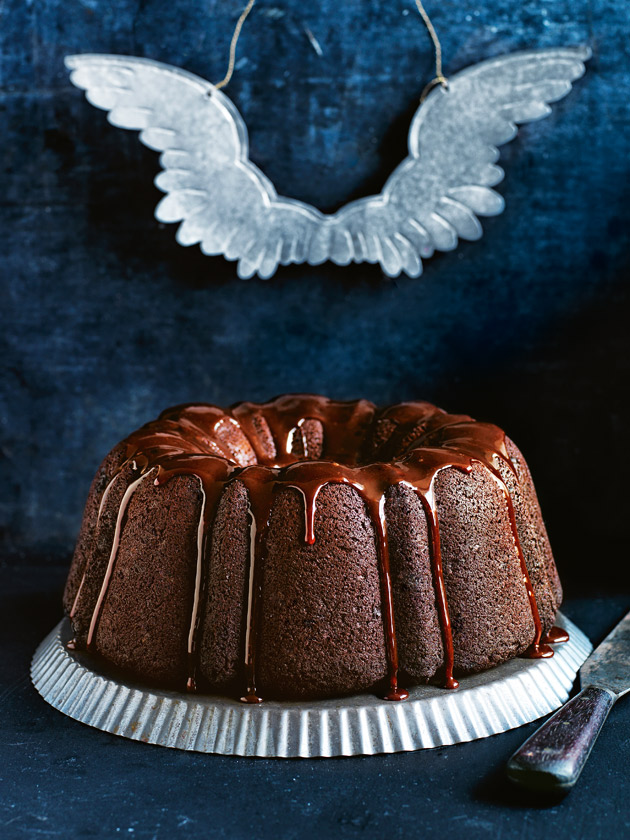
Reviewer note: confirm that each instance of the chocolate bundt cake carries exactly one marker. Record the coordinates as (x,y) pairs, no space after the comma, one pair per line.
(307,548)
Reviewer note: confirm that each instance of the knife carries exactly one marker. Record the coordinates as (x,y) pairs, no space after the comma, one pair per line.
(553,758)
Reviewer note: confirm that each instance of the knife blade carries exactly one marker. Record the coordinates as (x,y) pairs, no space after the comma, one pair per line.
(555,755)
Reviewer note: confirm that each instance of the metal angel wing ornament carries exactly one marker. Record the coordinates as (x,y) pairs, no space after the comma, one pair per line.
(430,201)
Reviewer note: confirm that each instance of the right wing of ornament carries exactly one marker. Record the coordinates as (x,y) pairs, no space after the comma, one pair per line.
(436,194)
(223,201)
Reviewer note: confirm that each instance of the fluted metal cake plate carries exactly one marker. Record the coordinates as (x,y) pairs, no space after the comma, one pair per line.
(485,704)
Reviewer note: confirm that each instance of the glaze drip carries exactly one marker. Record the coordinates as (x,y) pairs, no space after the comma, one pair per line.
(556,636)
(370,451)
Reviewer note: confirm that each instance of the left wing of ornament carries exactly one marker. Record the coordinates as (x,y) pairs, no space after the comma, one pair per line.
(224,202)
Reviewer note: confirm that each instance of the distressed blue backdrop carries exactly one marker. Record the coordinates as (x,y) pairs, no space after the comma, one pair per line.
(105,320)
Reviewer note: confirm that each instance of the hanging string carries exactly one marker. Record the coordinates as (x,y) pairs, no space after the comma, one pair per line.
(237,31)
(439,78)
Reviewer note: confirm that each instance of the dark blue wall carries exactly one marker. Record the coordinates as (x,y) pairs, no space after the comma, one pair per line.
(105,320)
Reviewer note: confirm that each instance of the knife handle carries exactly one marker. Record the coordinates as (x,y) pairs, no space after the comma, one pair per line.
(553,758)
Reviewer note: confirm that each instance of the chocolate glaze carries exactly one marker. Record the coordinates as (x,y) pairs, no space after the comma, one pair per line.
(556,636)
(369,450)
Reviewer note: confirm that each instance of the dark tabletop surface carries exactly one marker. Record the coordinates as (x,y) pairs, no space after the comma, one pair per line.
(59,778)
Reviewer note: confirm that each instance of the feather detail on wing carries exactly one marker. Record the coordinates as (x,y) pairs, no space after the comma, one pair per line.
(224,202)
(436,194)
(228,206)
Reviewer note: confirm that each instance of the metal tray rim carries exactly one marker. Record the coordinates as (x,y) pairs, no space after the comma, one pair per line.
(494,701)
